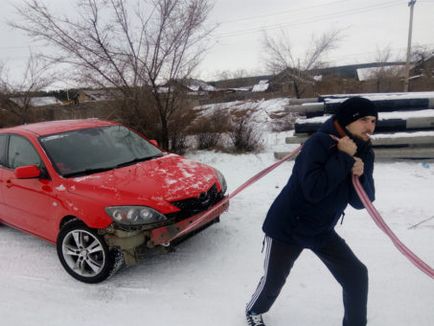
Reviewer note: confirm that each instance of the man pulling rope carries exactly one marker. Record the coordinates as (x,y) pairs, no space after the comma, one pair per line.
(304,214)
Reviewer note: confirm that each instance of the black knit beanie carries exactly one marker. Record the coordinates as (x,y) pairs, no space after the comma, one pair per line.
(353,109)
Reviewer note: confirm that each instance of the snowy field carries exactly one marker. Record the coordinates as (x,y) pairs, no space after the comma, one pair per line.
(209,279)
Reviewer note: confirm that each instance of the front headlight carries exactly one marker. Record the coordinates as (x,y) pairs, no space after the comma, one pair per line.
(134,215)
(222,181)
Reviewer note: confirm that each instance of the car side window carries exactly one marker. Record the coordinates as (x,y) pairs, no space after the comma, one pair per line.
(21,152)
(3,140)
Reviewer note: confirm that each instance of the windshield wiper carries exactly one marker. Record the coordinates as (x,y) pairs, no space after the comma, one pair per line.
(137,160)
(87,172)
(108,168)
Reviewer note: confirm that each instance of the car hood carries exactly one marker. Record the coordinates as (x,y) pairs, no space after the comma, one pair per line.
(152,183)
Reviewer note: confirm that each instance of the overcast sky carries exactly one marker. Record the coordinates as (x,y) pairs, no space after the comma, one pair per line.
(367,25)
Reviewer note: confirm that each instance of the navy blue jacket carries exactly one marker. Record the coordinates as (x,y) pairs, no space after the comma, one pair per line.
(318,191)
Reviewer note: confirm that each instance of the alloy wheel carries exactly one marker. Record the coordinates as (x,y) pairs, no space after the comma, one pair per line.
(83,252)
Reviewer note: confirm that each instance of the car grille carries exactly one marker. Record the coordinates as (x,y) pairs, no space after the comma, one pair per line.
(192,206)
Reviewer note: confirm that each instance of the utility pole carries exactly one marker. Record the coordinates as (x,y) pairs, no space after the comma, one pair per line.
(410,31)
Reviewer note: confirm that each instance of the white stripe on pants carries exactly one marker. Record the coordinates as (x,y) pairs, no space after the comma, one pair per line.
(261,284)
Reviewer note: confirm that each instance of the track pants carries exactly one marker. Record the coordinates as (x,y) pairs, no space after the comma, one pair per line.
(339,259)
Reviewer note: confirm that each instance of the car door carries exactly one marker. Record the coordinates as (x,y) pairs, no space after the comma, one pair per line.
(28,203)
(3,142)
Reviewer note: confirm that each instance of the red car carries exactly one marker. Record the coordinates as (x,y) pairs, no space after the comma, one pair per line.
(102,192)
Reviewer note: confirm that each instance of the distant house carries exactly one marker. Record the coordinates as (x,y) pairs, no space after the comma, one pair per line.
(285,77)
(36,102)
(262,86)
(423,67)
(189,86)
(365,74)
(172,86)
(240,84)
(293,82)
(355,71)
(98,95)
(196,85)
(308,83)
(23,109)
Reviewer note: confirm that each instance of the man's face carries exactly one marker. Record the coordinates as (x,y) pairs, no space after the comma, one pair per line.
(363,127)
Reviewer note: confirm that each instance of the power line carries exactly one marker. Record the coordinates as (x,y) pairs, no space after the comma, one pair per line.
(308,20)
(276,26)
(223,22)
(281,13)
(20,47)
(313,19)
(284,12)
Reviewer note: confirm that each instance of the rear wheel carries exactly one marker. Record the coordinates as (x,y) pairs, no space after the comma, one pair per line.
(84,253)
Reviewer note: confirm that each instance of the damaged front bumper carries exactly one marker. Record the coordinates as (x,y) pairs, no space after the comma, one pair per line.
(134,244)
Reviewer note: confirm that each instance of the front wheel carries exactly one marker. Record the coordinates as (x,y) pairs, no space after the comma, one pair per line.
(84,253)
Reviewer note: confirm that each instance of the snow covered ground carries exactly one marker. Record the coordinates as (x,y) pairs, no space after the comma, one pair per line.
(208,280)
(263,110)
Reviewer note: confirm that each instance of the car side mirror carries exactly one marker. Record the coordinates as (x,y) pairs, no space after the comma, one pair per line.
(27,172)
(154,142)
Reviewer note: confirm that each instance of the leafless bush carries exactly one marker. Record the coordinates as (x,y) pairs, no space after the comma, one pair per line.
(207,140)
(284,122)
(208,129)
(244,136)
(179,127)
(178,143)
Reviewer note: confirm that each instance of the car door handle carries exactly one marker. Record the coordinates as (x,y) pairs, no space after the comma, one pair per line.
(9,183)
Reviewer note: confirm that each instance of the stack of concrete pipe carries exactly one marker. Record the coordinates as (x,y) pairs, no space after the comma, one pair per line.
(405,128)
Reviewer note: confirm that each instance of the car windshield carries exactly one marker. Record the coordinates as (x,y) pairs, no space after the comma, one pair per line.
(87,151)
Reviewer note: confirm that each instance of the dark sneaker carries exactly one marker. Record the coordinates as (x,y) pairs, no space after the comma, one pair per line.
(254,319)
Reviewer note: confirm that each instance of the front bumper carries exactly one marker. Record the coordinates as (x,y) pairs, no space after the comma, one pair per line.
(166,234)
(135,244)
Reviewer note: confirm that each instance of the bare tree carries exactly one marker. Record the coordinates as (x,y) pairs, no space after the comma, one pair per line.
(388,74)
(281,59)
(4,91)
(243,134)
(4,84)
(16,96)
(420,57)
(133,50)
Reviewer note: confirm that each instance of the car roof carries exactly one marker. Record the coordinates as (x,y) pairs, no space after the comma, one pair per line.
(59,126)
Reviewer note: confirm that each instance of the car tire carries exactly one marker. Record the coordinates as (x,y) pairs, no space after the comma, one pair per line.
(84,253)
